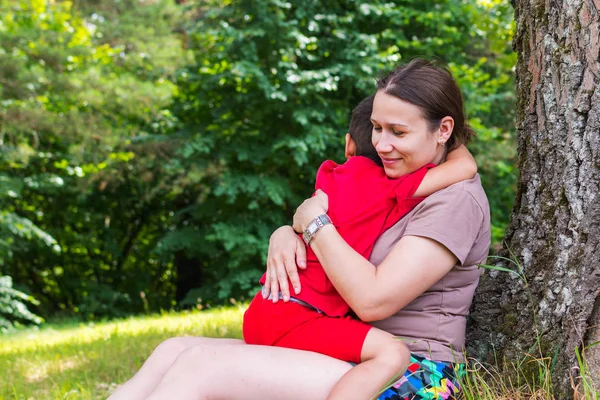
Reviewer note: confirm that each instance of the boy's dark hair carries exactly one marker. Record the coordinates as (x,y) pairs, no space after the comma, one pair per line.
(361,128)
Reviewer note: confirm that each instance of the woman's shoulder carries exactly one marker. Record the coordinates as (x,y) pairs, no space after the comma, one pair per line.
(457,217)
(465,199)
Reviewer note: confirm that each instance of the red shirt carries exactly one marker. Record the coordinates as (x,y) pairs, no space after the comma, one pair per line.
(363,203)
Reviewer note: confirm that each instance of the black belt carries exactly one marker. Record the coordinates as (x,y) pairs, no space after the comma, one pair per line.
(295,300)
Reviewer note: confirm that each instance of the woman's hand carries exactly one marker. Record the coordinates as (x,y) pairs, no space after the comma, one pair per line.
(310,209)
(287,253)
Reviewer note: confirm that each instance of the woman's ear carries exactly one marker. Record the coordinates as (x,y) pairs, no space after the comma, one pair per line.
(445,130)
(350,146)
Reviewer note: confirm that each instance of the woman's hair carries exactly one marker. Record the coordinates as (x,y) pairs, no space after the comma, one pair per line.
(433,89)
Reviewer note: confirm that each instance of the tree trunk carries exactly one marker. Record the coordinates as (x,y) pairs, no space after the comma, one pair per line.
(554,231)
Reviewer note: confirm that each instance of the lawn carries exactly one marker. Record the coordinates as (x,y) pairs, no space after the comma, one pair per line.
(87,361)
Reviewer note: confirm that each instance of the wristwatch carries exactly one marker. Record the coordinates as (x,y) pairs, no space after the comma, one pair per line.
(314,227)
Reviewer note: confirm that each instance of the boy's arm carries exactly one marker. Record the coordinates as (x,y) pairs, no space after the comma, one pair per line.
(459,166)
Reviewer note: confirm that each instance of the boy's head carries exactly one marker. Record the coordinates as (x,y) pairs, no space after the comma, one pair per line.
(360,130)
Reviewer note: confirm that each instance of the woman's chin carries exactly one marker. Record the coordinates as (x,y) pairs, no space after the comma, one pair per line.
(394,172)
(398,170)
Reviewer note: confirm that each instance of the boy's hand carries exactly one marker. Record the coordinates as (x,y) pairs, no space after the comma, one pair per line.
(286,254)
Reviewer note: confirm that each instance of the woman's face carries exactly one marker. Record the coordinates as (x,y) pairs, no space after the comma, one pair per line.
(402,136)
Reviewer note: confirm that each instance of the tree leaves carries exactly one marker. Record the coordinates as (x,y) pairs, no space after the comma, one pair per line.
(12,305)
(159,157)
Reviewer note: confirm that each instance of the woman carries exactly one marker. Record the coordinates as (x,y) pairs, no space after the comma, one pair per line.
(418,283)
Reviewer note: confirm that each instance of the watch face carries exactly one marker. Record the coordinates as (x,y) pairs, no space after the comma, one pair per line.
(306,237)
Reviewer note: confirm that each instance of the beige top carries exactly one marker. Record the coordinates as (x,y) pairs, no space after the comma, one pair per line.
(459,218)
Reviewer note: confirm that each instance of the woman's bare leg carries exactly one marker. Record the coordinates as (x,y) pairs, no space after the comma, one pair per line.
(155,367)
(212,371)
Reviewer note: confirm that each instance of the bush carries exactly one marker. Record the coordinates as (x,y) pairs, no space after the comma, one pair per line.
(103,301)
(12,305)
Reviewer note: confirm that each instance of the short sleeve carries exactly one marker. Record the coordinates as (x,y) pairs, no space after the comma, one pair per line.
(325,175)
(411,182)
(451,217)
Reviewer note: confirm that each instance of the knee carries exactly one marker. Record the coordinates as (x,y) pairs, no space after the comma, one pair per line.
(397,355)
(172,347)
(197,352)
(195,358)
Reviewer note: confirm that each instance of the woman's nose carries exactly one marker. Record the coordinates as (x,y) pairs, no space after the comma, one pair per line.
(383,144)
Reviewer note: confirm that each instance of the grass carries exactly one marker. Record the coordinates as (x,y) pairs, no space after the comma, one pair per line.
(88,361)
(488,383)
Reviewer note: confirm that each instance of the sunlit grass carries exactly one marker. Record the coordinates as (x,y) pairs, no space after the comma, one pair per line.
(87,361)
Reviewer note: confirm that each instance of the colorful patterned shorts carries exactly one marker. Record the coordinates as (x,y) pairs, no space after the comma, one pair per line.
(426,380)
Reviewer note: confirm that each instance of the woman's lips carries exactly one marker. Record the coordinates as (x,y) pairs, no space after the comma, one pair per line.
(389,161)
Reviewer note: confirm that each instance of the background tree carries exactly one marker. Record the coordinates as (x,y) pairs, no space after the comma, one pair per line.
(150,147)
(267,98)
(554,232)
(82,201)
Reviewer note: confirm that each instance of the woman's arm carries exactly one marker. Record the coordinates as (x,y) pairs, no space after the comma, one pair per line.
(459,166)
(414,265)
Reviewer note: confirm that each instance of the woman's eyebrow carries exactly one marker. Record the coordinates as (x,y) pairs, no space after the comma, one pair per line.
(373,120)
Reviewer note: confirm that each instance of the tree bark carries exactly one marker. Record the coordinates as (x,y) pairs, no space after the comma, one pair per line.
(554,231)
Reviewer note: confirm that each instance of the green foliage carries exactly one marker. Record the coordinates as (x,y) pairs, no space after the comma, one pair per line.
(13,307)
(268,96)
(489,92)
(103,301)
(149,149)
(80,187)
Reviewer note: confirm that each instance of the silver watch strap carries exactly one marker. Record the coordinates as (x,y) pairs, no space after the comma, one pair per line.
(314,227)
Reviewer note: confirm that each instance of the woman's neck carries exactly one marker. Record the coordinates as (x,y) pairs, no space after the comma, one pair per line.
(440,156)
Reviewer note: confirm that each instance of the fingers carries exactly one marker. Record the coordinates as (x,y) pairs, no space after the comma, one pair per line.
(292,273)
(276,281)
(285,250)
(266,289)
(274,284)
(300,253)
(282,278)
